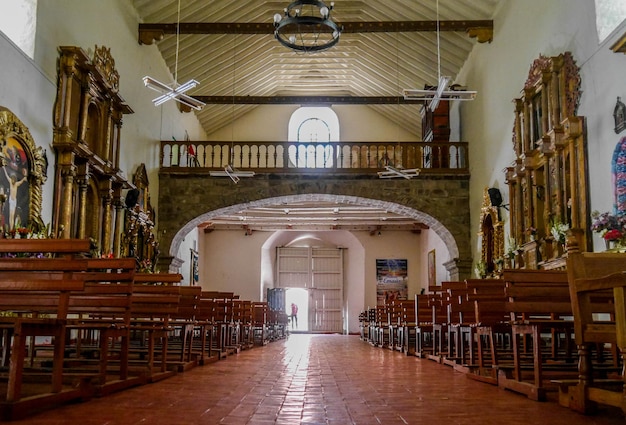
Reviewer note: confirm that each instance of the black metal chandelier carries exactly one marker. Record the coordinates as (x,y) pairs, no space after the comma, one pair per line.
(306,26)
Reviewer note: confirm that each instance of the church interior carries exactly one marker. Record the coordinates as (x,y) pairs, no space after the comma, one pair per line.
(192,186)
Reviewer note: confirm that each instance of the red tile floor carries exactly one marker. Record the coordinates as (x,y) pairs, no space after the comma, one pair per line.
(323,379)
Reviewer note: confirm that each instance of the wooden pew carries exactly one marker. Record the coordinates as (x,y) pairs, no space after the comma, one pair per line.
(34,301)
(205,345)
(597,283)
(492,328)
(185,324)
(243,316)
(155,299)
(440,301)
(394,323)
(224,326)
(423,326)
(461,327)
(99,324)
(259,322)
(540,310)
(408,325)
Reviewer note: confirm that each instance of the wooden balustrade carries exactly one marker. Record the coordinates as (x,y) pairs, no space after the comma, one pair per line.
(295,157)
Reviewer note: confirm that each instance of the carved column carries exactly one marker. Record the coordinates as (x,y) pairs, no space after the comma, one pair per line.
(83,185)
(118,225)
(518,142)
(527,142)
(557,64)
(65,222)
(106,149)
(545,104)
(107,221)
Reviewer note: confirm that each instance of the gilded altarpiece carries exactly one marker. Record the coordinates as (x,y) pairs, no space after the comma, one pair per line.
(548,179)
(87,131)
(138,239)
(491,234)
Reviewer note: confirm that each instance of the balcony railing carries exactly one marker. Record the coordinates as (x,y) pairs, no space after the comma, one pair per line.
(298,158)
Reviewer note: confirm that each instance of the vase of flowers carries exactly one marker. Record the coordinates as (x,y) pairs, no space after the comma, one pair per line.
(481,270)
(612,228)
(558,229)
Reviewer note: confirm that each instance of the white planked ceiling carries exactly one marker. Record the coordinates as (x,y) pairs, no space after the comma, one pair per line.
(362,64)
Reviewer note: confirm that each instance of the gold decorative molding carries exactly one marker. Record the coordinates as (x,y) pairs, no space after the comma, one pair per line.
(492,246)
(620,45)
(105,64)
(481,34)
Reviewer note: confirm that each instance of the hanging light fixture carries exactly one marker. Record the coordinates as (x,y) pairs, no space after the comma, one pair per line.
(306,26)
(442,91)
(174,91)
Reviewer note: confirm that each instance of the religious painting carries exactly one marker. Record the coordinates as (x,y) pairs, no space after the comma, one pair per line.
(23,172)
(195,275)
(391,280)
(432,269)
(14,186)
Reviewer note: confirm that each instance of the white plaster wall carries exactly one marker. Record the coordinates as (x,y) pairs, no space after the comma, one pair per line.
(270,122)
(29,94)
(111,23)
(190,242)
(523,31)
(231,261)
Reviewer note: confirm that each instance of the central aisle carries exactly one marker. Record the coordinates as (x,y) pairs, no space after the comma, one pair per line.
(322,379)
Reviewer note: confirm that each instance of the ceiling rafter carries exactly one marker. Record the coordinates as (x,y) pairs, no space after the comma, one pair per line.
(481,29)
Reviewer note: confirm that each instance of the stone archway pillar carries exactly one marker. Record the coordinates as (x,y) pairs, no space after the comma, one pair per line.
(459,269)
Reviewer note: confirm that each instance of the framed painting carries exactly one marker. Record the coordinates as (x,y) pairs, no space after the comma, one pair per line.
(24,170)
(432,269)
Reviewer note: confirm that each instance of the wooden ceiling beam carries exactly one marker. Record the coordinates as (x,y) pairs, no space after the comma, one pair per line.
(306,100)
(482,30)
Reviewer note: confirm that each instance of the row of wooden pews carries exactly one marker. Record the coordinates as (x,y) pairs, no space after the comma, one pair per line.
(75,327)
(531,332)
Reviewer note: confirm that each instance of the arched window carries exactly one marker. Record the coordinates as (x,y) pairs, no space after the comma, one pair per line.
(609,15)
(18,20)
(312,128)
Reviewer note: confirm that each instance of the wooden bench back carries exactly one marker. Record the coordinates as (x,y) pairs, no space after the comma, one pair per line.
(537,294)
(423,309)
(54,247)
(188,304)
(259,309)
(156,296)
(39,285)
(489,299)
(407,315)
(108,290)
(597,283)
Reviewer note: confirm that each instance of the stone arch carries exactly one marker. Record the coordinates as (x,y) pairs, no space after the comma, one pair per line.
(434,224)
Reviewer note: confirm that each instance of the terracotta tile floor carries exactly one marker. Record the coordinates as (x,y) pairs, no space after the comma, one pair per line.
(324,379)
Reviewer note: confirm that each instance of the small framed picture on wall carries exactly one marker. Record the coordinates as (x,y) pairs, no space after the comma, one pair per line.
(432,269)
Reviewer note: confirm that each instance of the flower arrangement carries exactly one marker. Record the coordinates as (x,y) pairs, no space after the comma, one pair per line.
(558,229)
(612,227)
(145,266)
(512,249)
(480,269)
